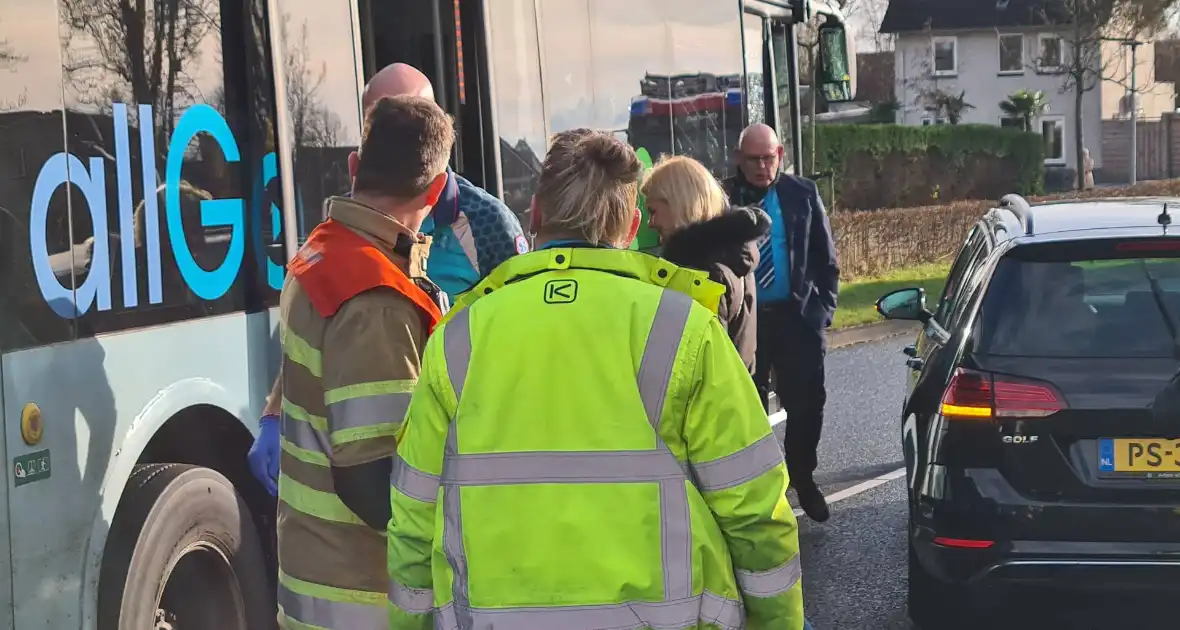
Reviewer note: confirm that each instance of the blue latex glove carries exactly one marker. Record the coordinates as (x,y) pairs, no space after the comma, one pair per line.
(264,454)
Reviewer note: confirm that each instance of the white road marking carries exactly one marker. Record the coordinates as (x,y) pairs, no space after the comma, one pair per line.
(861,487)
(780,416)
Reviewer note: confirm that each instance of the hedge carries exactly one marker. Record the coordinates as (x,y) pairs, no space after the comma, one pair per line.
(891,166)
(870,243)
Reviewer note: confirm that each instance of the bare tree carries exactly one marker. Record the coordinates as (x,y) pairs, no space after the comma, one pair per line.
(137,50)
(9,60)
(872,12)
(314,125)
(1085,25)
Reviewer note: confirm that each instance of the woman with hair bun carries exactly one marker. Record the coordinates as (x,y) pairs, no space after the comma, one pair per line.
(585,448)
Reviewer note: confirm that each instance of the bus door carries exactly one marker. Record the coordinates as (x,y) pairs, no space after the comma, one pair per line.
(444,39)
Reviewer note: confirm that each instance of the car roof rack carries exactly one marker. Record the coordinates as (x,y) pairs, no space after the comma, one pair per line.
(1019,207)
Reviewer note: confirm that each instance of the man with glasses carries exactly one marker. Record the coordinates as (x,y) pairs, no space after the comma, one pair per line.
(797,279)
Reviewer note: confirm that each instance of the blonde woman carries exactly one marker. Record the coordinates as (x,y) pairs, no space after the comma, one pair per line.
(688,209)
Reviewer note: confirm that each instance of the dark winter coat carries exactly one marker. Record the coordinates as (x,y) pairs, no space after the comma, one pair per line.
(726,246)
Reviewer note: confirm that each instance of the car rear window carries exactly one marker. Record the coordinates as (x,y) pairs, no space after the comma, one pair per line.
(1064,303)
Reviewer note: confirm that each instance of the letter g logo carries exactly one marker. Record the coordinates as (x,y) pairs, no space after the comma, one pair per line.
(208,285)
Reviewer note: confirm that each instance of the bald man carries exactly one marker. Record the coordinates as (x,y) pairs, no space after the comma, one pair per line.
(797,279)
(471,230)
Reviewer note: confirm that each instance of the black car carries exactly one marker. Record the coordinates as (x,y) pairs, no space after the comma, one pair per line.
(1036,450)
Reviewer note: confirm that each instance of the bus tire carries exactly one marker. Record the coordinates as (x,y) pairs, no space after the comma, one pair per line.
(183,553)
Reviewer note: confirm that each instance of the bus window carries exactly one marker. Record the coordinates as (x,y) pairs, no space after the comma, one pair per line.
(707,90)
(519,104)
(322,92)
(630,67)
(779,50)
(31,134)
(169,142)
(752,41)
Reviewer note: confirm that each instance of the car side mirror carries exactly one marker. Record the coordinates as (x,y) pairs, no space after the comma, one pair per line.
(905,304)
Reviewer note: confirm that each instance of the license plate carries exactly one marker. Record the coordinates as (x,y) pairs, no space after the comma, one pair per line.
(1140,456)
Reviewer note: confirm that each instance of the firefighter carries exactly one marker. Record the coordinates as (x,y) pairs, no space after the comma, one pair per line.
(618,471)
(471,232)
(356,310)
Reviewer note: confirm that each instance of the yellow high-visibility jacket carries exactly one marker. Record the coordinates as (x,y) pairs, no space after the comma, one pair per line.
(586,450)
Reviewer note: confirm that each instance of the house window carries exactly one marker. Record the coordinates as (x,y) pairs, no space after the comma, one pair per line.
(1050,54)
(1053,132)
(926,122)
(1012,123)
(946,56)
(1012,53)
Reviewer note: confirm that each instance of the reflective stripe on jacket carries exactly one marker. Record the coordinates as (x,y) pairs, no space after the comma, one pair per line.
(586,450)
(353,324)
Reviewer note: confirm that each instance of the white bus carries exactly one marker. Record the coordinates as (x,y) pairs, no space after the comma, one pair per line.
(158,163)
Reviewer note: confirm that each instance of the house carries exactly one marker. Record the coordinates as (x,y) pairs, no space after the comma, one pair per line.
(988,49)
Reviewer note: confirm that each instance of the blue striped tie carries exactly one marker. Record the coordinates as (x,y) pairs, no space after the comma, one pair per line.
(764,273)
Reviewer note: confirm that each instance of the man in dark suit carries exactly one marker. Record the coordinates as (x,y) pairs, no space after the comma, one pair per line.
(797,280)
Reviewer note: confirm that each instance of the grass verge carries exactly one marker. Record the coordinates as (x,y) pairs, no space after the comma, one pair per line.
(858,297)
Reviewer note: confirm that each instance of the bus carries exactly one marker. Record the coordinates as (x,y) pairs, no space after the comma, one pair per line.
(159,164)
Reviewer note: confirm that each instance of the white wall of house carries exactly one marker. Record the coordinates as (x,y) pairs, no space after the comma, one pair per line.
(975,67)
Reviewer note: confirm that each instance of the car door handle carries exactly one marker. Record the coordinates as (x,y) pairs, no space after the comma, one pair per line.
(915,363)
(910,350)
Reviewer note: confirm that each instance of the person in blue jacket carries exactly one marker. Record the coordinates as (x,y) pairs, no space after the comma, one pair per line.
(472,232)
(796,280)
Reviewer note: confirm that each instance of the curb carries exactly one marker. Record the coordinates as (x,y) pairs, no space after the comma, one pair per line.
(868,333)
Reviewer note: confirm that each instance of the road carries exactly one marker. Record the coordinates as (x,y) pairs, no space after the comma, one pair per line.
(854,566)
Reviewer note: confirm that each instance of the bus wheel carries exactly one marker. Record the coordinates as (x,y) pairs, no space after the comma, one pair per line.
(183,554)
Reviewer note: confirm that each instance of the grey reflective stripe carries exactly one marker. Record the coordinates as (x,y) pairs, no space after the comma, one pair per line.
(676,539)
(739,467)
(486,469)
(305,436)
(413,482)
(417,601)
(676,615)
(655,374)
(453,546)
(457,349)
(366,411)
(772,582)
(659,353)
(325,613)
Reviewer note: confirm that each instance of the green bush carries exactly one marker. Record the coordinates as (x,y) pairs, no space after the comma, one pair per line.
(881,166)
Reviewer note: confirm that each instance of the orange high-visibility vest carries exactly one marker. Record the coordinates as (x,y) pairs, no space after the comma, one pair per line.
(337,264)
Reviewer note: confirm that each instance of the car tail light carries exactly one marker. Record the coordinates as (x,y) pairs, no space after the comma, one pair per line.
(982,396)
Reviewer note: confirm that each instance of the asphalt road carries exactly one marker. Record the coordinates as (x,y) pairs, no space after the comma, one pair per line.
(854,566)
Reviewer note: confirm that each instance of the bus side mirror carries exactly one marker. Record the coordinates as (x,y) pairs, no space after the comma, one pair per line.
(835,75)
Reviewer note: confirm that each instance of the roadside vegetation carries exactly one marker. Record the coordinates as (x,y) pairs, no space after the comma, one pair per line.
(859,295)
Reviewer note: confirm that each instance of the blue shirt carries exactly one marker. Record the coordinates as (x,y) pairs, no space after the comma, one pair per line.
(472,233)
(773,274)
